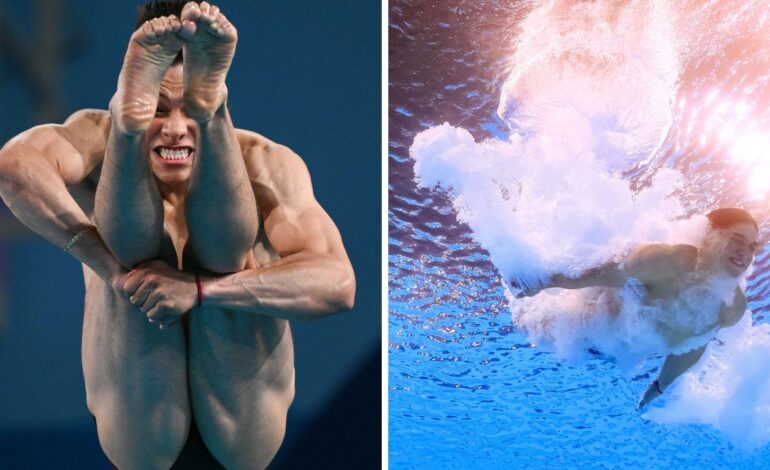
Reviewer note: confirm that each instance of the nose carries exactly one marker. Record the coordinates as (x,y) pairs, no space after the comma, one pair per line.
(175,127)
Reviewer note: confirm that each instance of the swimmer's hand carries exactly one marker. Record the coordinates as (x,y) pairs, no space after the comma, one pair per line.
(528,287)
(650,394)
(160,291)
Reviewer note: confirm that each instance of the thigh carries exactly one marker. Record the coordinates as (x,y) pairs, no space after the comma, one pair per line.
(241,369)
(136,381)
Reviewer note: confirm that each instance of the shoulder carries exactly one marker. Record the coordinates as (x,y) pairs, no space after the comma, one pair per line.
(86,130)
(273,168)
(258,149)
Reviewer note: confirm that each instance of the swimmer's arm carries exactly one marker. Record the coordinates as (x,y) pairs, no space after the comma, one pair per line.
(673,367)
(650,264)
(35,168)
(608,275)
(314,277)
(659,262)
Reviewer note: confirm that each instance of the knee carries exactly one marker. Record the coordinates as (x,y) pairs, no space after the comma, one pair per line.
(148,441)
(215,261)
(247,445)
(245,454)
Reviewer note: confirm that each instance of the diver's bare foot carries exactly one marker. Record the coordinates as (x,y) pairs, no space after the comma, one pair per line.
(151,51)
(207,57)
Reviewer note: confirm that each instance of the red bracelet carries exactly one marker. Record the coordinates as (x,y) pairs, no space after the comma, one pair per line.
(200,289)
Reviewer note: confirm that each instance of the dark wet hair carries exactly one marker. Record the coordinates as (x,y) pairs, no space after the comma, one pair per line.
(158,8)
(729,216)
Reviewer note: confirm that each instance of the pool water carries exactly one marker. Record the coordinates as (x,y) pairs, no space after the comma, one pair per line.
(466,388)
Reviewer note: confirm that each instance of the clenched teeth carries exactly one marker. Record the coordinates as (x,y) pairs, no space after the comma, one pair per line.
(169,153)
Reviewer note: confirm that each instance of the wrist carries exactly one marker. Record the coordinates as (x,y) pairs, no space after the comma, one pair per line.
(199,290)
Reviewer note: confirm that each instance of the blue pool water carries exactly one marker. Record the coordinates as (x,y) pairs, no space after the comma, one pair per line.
(466,388)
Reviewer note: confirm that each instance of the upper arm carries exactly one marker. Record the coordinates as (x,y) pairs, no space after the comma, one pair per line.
(73,149)
(294,221)
(658,262)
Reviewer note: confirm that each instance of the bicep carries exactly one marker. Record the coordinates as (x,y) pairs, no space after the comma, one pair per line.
(307,230)
(294,221)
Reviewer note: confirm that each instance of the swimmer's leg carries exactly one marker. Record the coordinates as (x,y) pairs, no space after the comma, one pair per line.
(220,208)
(241,369)
(129,209)
(136,382)
(674,366)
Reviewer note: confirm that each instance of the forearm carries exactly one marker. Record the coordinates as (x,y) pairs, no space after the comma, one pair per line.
(128,208)
(36,194)
(220,195)
(298,287)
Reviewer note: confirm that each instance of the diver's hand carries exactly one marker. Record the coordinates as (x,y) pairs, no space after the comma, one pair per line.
(528,288)
(650,394)
(161,291)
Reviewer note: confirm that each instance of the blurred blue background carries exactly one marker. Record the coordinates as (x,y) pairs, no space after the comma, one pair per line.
(307,75)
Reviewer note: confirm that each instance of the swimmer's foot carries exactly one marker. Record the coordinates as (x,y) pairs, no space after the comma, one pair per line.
(208,54)
(652,392)
(151,51)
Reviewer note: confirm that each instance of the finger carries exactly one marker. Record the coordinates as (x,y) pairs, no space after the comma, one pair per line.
(152,316)
(170,320)
(139,297)
(150,303)
(132,281)
(143,289)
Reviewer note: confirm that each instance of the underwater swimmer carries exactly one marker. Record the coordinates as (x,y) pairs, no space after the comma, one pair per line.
(680,279)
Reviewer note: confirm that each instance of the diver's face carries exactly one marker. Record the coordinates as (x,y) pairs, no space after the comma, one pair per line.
(738,244)
(171,137)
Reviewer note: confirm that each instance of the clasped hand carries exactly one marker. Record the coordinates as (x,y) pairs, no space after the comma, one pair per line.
(163,293)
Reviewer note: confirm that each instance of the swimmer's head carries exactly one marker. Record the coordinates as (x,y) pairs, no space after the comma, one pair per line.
(158,8)
(730,245)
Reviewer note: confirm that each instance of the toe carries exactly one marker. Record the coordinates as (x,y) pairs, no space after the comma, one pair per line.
(191,11)
(187,29)
(174,24)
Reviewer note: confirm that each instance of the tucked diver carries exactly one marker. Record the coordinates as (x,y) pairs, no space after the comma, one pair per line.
(701,282)
(165,217)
